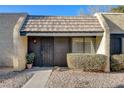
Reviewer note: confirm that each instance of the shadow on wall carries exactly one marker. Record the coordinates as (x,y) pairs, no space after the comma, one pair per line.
(98,42)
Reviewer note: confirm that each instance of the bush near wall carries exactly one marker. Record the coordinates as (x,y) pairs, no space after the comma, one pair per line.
(87,62)
(117,62)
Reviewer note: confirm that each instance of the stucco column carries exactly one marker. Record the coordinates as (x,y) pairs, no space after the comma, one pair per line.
(107,49)
(105,39)
(19,46)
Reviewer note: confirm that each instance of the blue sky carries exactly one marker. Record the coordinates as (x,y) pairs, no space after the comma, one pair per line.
(65,10)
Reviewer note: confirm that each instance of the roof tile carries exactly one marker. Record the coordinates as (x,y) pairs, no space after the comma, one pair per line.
(61,24)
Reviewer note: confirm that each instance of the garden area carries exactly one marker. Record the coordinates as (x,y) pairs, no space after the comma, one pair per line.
(88,71)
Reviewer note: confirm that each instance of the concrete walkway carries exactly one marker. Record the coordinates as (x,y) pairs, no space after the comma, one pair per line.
(39,78)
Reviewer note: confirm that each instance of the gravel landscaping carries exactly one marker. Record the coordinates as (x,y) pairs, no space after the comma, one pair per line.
(65,78)
(14,79)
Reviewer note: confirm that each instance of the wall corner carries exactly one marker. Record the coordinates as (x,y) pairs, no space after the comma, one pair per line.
(19,46)
(106,38)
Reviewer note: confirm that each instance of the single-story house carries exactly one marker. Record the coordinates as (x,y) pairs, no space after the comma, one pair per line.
(52,37)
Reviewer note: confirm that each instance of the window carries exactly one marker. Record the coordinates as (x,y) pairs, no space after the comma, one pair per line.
(83,45)
(77,45)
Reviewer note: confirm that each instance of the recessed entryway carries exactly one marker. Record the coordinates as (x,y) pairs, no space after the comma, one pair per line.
(50,51)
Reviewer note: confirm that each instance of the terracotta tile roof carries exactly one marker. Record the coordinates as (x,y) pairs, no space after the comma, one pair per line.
(61,24)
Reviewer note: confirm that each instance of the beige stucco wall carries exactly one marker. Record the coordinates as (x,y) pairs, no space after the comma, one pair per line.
(20,50)
(20,46)
(9,25)
(104,46)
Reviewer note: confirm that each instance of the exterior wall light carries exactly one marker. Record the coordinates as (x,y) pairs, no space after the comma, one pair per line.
(35,41)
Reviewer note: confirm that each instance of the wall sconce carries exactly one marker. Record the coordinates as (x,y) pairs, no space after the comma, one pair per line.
(34,41)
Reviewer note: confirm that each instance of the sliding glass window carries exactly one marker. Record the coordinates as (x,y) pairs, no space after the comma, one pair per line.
(83,45)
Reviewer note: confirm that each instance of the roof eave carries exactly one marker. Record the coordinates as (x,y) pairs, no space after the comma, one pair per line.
(87,33)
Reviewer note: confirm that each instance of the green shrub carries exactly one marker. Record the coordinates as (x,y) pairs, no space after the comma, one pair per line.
(117,62)
(87,62)
(30,58)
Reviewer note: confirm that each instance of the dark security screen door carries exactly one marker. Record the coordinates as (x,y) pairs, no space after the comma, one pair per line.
(115,45)
(47,51)
(43,48)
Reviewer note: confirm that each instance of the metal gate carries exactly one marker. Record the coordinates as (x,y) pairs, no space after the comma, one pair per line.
(43,48)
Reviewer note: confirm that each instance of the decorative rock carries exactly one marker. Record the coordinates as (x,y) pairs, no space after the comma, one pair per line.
(79,79)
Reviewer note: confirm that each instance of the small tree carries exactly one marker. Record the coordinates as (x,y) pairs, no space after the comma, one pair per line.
(92,9)
(119,9)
